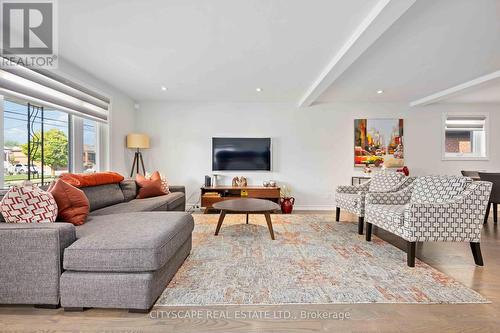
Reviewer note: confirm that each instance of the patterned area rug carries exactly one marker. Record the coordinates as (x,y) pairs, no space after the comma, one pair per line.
(313,260)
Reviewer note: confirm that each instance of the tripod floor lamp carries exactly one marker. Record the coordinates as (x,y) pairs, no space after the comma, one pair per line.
(137,141)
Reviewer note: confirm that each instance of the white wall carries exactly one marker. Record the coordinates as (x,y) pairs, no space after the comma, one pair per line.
(312,147)
(122,115)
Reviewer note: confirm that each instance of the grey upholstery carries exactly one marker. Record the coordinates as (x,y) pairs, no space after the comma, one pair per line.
(169,202)
(31,261)
(103,195)
(133,242)
(129,189)
(31,257)
(138,290)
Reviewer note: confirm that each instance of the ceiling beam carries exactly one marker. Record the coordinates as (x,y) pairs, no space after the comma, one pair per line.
(380,18)
(447,93)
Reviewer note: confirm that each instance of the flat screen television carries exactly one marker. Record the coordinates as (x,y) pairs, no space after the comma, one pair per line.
(241,154)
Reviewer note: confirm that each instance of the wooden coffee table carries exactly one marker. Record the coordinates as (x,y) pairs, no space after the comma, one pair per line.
(246,206)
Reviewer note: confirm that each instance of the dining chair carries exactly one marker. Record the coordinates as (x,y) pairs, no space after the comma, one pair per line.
(495,194)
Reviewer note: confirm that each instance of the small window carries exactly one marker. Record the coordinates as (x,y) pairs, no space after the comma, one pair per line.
(465,137)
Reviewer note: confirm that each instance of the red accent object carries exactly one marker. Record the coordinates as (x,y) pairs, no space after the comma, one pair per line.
(404,170)
(72,203)
(287,205)
(91,179)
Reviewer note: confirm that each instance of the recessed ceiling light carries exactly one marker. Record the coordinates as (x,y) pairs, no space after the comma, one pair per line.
(163,88)
(380,92)
(258,89)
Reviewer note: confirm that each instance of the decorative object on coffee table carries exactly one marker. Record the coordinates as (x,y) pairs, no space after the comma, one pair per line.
(137,141)
(246,206)
(286,201)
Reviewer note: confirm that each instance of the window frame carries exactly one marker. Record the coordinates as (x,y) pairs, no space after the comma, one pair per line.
(466,157)
(75,138)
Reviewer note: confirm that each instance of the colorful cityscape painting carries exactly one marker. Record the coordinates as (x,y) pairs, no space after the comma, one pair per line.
(378,142)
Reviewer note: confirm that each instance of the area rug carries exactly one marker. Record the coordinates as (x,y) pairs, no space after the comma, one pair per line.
(314,260)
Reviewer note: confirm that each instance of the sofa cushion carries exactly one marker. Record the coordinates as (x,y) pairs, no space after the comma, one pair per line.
(91,179)
(72,204)
(161,203)
(385,181)
(129,189)
(175,199)
(429,189)
(132,242)
(103,195)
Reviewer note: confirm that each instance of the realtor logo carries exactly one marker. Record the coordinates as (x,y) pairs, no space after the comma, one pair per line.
(28,32)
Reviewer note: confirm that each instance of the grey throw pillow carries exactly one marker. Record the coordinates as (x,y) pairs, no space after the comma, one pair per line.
(129,189)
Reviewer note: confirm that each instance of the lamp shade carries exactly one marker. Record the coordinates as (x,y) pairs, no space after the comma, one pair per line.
(137,140)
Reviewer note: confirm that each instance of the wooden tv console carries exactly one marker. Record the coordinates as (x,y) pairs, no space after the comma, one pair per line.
(211,195)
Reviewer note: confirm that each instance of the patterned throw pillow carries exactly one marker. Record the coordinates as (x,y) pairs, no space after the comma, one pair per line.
(28,204)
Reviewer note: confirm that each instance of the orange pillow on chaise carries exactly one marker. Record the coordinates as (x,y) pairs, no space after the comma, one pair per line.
(73,205)
(91,179)
(151,187)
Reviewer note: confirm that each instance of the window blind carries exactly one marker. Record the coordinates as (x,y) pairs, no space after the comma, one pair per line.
(53,91)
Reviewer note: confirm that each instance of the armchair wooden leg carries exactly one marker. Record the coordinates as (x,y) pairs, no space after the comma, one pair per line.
(361,222)
(495,212)
(476,253)
(410,253)
(368,231)
(487,213)
(337,214)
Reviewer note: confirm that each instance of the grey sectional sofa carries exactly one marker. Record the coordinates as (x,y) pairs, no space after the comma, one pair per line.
(122,257)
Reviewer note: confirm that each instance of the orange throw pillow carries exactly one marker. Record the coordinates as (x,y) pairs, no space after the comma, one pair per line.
(151,187)
(91,179)
(72,203)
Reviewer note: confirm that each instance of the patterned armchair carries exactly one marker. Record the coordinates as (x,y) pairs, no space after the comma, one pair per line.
(352,198)
(432,209)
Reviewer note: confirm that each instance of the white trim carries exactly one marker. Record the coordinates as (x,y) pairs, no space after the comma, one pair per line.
(447,93)
(445,115)
(77,145)
(380,18)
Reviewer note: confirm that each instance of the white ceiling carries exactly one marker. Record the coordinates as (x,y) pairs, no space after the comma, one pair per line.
(222,50)
(217,50)
(435,45)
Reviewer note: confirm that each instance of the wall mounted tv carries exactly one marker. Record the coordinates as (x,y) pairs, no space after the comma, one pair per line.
(241,154)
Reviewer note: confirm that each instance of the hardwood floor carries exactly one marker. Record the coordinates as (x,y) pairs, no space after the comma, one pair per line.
(453,259)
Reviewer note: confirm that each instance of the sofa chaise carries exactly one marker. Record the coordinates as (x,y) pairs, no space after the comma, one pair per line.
(122,257)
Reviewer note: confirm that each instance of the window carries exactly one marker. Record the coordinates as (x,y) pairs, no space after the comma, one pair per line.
(465,137)
(45,161)
(89,145)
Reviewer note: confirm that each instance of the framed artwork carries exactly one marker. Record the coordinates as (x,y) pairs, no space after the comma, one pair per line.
(379,141)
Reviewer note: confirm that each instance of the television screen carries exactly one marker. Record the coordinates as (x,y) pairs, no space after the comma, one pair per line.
(241,154)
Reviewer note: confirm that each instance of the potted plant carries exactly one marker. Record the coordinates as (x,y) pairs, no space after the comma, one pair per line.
(287,201)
